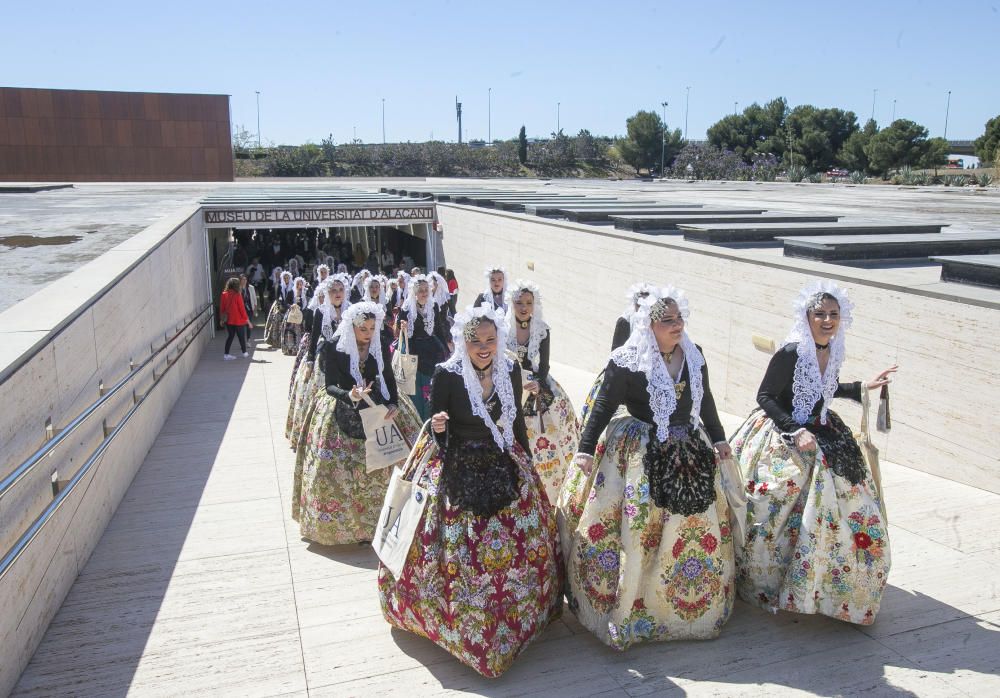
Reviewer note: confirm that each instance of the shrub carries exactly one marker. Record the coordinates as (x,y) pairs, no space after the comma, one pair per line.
(796,173)
(984,180)
(858,177)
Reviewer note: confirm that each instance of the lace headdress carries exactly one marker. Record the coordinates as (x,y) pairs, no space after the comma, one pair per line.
(319,272)
(286,284)
(321,287)
(347,341)
(439,294)
(328,309)
(634,294)
(410,309)
(460,363)
(808,385)
(382,283)
(276,276)
(360,279)
(488,293)
(538,327)
(300,296)
(642,355)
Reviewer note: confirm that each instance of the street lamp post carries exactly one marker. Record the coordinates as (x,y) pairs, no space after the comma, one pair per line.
(489,116)
(735,105)
(558,124)
(687,102)
(663,143)
(383,121)
(893,111)
(874,94)
(946,110)
(258,119)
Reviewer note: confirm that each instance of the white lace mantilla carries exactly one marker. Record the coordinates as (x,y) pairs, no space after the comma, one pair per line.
(347,342)
(538,328)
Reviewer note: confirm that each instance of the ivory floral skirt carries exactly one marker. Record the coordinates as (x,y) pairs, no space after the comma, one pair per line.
(298,401)
(299,356)
(339,502)
(816,543)
(637,572)
(272,327)
(553,432)
(481,587)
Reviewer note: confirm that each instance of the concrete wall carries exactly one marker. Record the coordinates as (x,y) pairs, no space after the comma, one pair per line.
(55,349)
(945,397)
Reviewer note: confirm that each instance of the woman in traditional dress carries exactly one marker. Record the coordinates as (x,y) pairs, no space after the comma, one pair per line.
(439,292)
(642,515)
(326,320)
(553,430)
(301,383)
(322,273)
(358,285)
(376,292)
(422,331)
(623,328)
(292,323)
(340,502)
(496,288)
(817,536)
(276,315)
(484,575)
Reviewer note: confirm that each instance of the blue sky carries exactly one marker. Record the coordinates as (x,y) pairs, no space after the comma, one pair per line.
(324,67)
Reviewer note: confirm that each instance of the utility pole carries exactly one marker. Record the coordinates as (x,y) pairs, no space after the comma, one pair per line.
(489,116)
(258,119)
(735,104)
(663,143)
(558,125)
(458,114)
(383,121)
(874,94)
(687,103)
(893,111)
(946,110)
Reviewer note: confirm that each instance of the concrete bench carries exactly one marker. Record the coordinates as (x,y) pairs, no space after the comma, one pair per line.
(768,232)
(882,247)
(519,204)
(603,214)
(979,269)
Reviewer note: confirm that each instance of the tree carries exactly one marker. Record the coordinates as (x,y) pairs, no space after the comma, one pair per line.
(936,153)
(818,135)
(901,143)
(646,134)
(522,146)
(852,153)
(759,129)
(988,145)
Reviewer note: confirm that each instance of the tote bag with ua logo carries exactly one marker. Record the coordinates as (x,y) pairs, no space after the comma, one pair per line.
(402,509)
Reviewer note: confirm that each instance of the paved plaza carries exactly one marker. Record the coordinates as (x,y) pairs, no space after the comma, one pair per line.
(201,585)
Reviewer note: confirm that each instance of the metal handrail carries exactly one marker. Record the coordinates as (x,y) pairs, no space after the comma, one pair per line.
(18,473)
(32,531)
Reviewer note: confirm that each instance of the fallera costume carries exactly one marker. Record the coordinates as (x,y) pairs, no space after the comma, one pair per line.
(646,535)
(817,535)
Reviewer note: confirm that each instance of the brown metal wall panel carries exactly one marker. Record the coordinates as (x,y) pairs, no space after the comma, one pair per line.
(113,136)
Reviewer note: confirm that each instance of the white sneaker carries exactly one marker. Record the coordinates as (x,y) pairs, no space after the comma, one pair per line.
(246,355)
(228,357)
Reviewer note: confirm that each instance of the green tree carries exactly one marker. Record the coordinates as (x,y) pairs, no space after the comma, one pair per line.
(852,154)
(647,136)
(759,129)
(817,135)
(901,143)
(988,145)
(936,153)
(522,146)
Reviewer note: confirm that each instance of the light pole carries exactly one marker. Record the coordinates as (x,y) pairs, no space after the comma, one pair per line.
(735,104)
(946,110)
(355,134)
(258,119)
(687,103)
(893,111)
(558,126)
(663,143)
(489,116)
(874,94)
(383,121)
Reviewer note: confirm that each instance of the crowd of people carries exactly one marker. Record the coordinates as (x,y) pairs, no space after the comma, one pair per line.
(638,510)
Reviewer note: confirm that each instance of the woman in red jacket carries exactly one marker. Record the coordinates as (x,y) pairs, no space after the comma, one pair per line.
(233,316)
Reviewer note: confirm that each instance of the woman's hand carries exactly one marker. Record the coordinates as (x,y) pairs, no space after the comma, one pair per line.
(882,379)
(724,451)
(805,440)
(584,461)
(393,411)
(439,422)
(531,387)
(358,392)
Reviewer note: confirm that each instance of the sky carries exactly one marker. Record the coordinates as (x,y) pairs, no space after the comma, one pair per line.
(324,68)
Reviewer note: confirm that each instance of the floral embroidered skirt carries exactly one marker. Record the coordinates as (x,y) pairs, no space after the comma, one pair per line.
(637,572)
(291,335)
(272,327)
(301,354)
(815,542)
(422,399)
(480,587)
(554,433)
(299,399)
(588,403)
(338,501)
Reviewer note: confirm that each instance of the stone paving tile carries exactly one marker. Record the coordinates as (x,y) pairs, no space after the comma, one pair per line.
(202,584)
